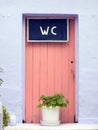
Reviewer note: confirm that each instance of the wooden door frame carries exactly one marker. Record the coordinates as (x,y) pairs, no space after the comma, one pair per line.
(70,16)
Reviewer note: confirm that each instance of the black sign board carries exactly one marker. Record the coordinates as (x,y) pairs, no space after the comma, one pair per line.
(47,30)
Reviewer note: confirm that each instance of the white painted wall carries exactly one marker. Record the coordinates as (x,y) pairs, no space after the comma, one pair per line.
(12,51)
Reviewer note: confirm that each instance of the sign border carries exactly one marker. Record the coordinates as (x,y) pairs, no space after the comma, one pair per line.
(47,40)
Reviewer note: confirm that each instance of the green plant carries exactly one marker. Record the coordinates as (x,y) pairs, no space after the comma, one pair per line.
(57,100)
(6,116)
(1,81)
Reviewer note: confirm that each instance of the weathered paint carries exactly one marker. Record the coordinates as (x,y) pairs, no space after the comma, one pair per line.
(50,68)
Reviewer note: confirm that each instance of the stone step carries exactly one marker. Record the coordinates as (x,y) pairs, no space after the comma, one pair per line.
(69,126)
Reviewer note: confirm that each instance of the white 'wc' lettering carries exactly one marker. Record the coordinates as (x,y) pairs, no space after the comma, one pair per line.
(43,31)
(52,30)
(46,31)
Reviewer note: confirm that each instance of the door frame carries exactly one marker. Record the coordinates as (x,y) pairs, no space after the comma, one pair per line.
(76,58)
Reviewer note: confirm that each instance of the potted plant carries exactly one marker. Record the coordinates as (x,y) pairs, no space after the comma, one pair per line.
(50,106)
(6,116)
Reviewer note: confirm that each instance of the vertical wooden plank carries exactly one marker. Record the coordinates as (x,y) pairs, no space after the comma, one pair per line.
(65,76)
(28,81)
(57,67)
(72,72)
(43,70)
(36,82)
(50,69)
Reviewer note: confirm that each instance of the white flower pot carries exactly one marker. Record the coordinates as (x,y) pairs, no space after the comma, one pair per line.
(50,116)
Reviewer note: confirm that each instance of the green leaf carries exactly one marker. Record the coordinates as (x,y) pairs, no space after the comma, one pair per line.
(6,116)
(53,101)
(40,106)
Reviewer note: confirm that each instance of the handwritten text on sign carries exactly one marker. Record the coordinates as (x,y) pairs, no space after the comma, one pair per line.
(47,30)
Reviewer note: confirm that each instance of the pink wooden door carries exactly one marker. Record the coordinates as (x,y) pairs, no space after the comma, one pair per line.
(50,68)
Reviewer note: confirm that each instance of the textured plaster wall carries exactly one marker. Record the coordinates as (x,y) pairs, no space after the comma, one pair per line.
(12,52)
(88,68)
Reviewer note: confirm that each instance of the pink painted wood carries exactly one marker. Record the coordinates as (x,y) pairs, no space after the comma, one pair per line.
(49,70)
